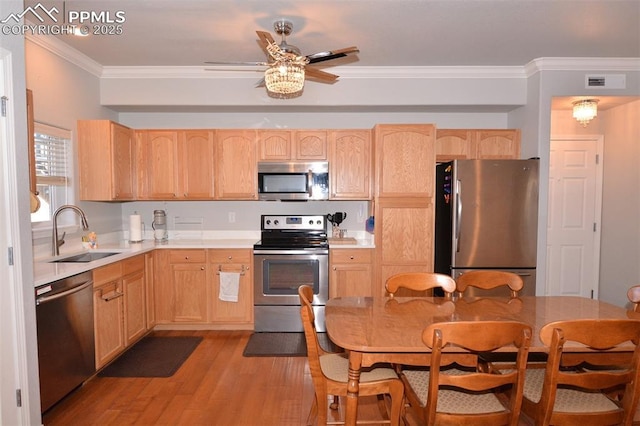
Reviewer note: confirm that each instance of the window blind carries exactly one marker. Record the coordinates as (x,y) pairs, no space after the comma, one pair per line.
(51,152)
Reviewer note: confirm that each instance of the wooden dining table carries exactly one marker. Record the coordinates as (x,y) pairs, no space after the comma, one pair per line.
(389,330)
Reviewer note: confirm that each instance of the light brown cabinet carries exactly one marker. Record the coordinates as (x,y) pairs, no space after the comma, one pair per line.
(175,164)
(471,144)
(350,164)
(119,304)
(181,286)
(292,145)
(405,158)
(106,161)
(350,272)
(235,261)
(404,237)
(108,311)
(404,205)
(235,165)
(135,296)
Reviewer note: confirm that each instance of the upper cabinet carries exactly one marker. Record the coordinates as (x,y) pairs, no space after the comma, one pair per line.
(175,164)
(105,161)
(236,165)
(292,145)
(405,156)
(471,144)
(350,164)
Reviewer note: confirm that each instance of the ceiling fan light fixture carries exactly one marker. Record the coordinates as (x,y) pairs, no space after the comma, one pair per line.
(585,110)
(284,80)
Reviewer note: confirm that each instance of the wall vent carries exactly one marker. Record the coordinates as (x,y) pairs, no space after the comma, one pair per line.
(606,81)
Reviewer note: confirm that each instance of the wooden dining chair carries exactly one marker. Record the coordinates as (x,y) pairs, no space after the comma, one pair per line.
(458,394)
(570,390)
(633,294)
(420,281)
(329,371)
(489,279)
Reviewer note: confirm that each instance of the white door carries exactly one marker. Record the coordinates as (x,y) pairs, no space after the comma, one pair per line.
(575,205)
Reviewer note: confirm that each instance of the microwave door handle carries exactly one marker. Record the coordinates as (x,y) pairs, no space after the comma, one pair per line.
(310,183)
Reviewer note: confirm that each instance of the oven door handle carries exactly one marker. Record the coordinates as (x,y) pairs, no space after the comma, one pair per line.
(292,252)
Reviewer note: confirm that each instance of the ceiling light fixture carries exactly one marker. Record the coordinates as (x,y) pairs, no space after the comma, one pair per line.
(585,110)
(284,79)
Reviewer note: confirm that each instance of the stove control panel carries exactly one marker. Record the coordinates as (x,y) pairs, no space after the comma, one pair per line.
(301,222)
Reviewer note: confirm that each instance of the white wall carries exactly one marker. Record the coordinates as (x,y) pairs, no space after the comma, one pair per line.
(62,94)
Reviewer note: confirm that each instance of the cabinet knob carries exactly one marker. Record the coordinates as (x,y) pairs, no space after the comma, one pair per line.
(202,268)
(230,257)
(334,268)
(186,258)
(351,257)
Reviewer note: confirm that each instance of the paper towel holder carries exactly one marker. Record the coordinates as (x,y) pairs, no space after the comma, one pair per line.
(141,230)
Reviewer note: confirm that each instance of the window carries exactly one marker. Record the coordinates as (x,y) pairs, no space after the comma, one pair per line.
(54,173)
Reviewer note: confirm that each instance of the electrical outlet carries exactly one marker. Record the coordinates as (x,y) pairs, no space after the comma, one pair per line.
(232,217)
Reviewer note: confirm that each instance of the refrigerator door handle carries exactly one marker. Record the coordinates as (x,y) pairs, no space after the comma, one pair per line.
(458,213)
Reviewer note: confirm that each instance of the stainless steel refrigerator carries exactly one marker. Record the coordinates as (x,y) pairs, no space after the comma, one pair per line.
(487,218)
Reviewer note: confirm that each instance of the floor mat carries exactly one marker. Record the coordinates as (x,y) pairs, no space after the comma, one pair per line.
(153,356)
(284,344)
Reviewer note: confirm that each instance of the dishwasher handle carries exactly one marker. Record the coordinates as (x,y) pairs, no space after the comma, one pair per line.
(44,299)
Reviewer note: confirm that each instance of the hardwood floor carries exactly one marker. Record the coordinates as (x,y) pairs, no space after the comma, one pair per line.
(215,386)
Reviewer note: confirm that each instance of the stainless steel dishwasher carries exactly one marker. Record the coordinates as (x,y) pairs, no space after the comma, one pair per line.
(66,349)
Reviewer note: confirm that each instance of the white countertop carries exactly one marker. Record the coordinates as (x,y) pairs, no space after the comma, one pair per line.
(45,271)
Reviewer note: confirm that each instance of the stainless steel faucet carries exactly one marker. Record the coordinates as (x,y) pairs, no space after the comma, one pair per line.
(58,242)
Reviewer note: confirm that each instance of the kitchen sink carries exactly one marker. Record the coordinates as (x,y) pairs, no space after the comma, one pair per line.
(84,257)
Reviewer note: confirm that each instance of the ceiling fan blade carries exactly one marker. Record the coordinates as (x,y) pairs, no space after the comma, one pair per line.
(322,76)
(260,64)
(331,54)
(265,37)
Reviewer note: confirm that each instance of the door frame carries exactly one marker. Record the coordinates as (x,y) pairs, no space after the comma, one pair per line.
(598,139)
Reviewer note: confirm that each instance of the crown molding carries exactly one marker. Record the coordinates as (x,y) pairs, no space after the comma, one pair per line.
(81,60)
(66,52)
(582,64)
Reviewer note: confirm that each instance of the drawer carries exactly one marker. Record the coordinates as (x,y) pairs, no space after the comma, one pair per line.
(230,256)
(188,256)
(351,256)
(107,273)
(133,264)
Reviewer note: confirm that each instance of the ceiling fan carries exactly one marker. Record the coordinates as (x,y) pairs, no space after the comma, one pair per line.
(287,68)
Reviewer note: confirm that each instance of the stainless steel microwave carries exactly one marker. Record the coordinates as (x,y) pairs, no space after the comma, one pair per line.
(293,181)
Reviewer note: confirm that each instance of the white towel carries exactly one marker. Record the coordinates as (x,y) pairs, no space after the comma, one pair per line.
(229,286)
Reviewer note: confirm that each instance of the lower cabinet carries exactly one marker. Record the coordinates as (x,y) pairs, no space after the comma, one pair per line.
(351,272)
(236,261)
(135,295)
(187,287)
(119,304)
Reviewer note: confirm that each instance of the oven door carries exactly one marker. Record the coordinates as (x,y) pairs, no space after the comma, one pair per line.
(279,273)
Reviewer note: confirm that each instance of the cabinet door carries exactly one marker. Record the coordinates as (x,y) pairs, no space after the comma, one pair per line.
(455,144)
(275,145)
(405,160)
(108,326)
(236,173)
(351,164)
(235,261)
(310,145)
(403,237)
(123,162)
(351,272)
(157,164)
(498,144)
(135,312)
(191,293)
(105,161)
(196,164)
